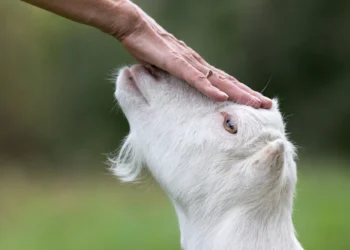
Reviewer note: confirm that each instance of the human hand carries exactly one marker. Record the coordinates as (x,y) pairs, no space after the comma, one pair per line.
(149,43)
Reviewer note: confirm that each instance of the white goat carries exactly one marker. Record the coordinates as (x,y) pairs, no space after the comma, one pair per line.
(228,169)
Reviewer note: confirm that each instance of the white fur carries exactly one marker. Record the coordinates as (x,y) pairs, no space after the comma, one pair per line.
(230,191)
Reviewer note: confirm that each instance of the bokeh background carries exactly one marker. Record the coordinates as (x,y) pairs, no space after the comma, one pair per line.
(58,119)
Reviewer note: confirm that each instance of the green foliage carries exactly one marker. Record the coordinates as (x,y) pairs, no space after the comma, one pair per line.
(97,213)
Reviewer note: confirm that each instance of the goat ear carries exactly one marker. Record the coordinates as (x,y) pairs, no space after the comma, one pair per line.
(128,164)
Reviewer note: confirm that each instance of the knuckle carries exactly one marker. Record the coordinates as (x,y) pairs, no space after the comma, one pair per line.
(198,78)
(240,97)
(182,43)
(177,59)
(196,56)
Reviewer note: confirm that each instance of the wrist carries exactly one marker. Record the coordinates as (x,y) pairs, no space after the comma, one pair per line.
(123,19)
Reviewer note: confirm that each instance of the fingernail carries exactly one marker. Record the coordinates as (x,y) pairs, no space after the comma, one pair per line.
(267,102)
(224,96)
(218,95)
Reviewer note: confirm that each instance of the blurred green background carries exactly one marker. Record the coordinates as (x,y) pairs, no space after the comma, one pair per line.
(58,119)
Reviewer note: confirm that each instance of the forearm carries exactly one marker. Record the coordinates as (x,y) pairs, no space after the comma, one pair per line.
(114,17)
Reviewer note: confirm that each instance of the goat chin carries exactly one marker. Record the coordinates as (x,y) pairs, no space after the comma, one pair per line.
(228,169)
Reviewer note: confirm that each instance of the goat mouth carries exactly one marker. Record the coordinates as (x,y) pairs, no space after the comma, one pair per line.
(131,78)
(149,71)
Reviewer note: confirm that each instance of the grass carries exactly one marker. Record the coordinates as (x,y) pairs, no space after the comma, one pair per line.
(98,213)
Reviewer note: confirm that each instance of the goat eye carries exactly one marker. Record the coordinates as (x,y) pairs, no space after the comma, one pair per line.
(229,125)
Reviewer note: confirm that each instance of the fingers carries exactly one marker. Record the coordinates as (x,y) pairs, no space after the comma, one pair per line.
(219,86)
(265,102)
(231,88)
(234,91)
(193,76)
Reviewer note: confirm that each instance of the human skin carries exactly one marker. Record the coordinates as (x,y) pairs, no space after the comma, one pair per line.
(151,45)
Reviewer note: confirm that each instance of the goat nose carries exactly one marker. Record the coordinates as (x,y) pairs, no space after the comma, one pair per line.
(128,73)
(135,69)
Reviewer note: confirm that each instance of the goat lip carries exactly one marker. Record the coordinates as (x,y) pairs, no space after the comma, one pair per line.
(130,82)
